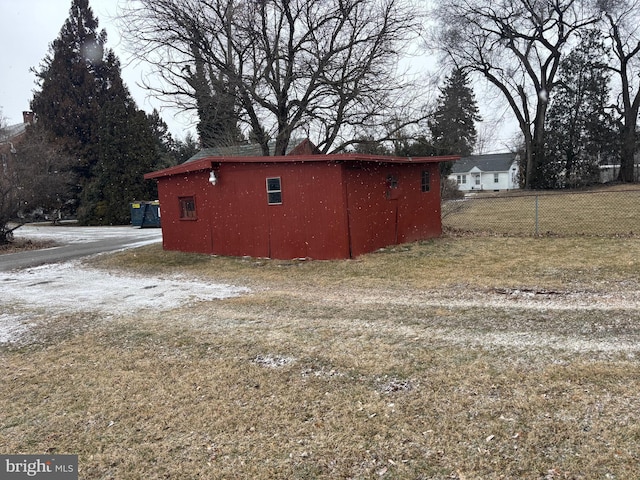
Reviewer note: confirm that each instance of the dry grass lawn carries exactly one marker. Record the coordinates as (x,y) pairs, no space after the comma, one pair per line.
(458,358)
(21,245)
(610,210)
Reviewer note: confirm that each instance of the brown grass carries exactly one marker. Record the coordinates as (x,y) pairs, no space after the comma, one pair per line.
(346,369)
(21,245)
(605,211)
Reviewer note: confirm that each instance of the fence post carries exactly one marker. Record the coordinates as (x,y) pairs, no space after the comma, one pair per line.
(536,215)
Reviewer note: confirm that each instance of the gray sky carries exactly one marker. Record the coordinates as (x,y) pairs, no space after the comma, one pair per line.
(28,27)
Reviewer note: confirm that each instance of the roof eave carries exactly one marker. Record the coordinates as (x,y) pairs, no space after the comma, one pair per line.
(207,163)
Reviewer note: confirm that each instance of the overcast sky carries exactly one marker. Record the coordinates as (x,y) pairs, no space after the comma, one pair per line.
(29,26)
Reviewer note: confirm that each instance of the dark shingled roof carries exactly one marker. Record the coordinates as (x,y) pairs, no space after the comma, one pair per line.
(247,150)
(495,162)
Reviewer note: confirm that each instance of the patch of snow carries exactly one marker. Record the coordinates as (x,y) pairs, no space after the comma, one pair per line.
(11,327)
(76,234)
(71,287)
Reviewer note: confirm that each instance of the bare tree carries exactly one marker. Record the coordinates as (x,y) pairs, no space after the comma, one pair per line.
(34,175)
(43,174)
(516,45)
(8,202)
(621,18)
(275,68)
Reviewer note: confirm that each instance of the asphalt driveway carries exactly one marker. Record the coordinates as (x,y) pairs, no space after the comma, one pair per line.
(75,242)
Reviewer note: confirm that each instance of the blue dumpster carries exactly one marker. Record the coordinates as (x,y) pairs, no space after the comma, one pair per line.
(145,214)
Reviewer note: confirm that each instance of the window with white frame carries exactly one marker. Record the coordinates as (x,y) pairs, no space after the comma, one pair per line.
(274,191)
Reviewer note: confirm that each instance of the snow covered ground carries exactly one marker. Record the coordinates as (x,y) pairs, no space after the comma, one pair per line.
(71,287)
(74,234)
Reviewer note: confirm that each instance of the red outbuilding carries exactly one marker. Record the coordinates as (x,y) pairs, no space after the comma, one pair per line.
(300,205)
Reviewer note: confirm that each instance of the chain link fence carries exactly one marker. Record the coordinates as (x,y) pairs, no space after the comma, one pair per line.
(595,213)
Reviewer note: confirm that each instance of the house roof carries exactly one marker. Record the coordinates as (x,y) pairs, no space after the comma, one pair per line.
(12,131)
(253,150)
(495,162)
(209,162)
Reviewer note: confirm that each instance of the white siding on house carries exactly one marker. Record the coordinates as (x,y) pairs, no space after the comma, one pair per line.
(486,172)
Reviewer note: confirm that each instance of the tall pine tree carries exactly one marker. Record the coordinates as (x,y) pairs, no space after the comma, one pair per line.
(452,126)
(163,140)
(125,149)
(84,103)
(67,104)
(580,130)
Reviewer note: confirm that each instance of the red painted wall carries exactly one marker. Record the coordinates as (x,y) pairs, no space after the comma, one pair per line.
(329,210)
(192,235)
(310,222)
(234,217)
(383,214)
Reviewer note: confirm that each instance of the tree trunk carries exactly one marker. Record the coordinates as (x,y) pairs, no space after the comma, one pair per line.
(627,153)
(536,176)
(535,161)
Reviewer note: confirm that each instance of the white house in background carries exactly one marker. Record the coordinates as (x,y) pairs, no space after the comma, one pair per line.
(493,172)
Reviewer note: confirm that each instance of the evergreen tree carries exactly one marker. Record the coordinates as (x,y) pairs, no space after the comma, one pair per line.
(580,132)
(418,147)
(67,104)
(165,145)
(185,149)
(83,102)
(452,125)
(126,150)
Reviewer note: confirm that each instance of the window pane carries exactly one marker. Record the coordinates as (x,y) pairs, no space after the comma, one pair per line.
(273,184)
(425,180)
(275,197)
(187,207)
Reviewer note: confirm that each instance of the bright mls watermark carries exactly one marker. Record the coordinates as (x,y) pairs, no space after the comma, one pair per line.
(49,467)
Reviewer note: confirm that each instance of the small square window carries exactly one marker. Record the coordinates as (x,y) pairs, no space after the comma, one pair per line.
(187,208)
(426,181)
(274,191)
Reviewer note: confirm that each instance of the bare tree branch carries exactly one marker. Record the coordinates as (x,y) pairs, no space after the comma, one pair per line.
(517,47)
(621,18)
(280,67)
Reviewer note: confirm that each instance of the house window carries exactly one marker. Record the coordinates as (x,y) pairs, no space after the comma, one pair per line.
(274,191)
(477,179)
(462,179)
(187,208)
(426,181)
(496,178)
